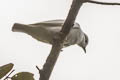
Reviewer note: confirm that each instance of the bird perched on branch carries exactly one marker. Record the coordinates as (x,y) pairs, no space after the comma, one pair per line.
(45,32)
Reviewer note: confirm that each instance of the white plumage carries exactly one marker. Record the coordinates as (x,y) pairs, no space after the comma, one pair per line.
(45,31)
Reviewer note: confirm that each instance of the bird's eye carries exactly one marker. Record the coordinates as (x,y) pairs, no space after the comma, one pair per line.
(86,41)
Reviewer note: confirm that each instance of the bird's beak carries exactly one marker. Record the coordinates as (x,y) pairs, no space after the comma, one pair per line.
(84,49)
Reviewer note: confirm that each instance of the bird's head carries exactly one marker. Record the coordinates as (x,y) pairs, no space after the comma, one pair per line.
(84,42)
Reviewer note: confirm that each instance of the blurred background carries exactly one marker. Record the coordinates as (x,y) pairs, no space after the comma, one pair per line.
(100,22)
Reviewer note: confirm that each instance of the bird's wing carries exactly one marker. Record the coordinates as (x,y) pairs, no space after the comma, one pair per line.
(53,25)
(50,23)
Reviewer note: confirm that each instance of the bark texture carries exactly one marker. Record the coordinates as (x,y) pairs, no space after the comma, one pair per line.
(59,39)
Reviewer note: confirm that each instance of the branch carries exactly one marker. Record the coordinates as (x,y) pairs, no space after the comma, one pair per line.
(102,3)
(59,39)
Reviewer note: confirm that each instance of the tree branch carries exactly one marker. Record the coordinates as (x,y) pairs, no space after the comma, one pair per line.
(59,39)
(102,3)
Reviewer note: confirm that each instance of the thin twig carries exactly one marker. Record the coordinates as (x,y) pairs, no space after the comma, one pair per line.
(38,69)
(102,3)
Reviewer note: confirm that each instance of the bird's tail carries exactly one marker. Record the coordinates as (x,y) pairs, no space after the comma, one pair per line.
(17,27)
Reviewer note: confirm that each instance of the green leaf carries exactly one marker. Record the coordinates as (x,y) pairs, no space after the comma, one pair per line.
(23,76)
(5,69)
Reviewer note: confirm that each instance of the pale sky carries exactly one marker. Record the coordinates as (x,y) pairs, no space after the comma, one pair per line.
(101,24)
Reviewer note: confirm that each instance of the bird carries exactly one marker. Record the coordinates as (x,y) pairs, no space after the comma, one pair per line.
(46,30)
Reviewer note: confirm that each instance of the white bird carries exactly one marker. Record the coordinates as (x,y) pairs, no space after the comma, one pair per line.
(45,31)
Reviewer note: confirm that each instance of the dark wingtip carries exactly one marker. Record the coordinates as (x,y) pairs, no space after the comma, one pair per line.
(16,26)
(13,27)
